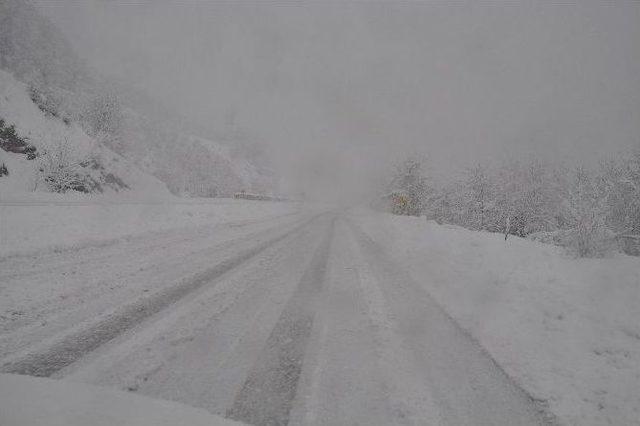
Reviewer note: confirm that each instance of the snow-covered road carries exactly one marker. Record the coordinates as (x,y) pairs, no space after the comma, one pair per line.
(295,319)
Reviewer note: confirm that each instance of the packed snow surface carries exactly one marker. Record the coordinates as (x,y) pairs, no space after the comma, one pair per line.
(260,310)
(294,319)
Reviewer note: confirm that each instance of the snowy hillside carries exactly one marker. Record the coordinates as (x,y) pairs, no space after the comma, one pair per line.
(104,113)
(243,175)
(163,145)
(103,170)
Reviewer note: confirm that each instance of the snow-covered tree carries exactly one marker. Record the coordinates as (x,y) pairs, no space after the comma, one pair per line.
(573,207)
(104,114)
(621,182)
(586,213)
(410,180)
(477,197)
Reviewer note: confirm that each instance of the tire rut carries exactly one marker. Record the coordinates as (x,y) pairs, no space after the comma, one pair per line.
(492,396)
(267,395)
(68,349)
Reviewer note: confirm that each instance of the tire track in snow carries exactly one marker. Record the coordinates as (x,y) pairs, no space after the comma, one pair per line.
(268,393)
(454,365)
(21,263)
(73,346)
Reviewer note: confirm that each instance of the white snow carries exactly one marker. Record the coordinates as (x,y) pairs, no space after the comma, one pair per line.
(57,221)
(36,220)
(249,176)
(566,329)
(16,108)
(61,403)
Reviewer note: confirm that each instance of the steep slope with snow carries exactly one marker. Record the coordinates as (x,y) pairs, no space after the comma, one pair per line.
(105,170)
(128,123)
(184,157)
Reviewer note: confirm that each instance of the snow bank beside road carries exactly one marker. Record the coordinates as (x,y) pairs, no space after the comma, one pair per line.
(567,330)
(32,401)
(52,222)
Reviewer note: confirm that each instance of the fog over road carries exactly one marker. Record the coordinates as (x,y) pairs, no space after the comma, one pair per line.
(297,319)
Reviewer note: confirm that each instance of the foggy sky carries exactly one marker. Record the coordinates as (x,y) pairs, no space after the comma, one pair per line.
(337,90)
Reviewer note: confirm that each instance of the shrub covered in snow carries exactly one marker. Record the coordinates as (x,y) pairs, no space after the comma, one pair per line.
(60,170)
(11,142)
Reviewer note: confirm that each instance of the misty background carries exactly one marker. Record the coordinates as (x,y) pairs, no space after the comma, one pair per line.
(291,212)
(335,91)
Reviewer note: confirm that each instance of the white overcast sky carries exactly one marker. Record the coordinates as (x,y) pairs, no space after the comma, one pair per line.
(352,85)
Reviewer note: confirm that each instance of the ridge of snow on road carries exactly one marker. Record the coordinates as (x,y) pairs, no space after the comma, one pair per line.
(418,402)
(61,403)
(72,221)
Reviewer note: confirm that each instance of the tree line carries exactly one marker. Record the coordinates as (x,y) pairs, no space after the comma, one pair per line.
(586,209)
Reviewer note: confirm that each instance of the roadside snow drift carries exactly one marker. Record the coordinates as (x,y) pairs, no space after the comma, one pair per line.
(61,403)
(567,330)
(56,221)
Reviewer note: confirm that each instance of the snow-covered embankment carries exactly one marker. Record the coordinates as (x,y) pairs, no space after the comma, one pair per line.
(567,330)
